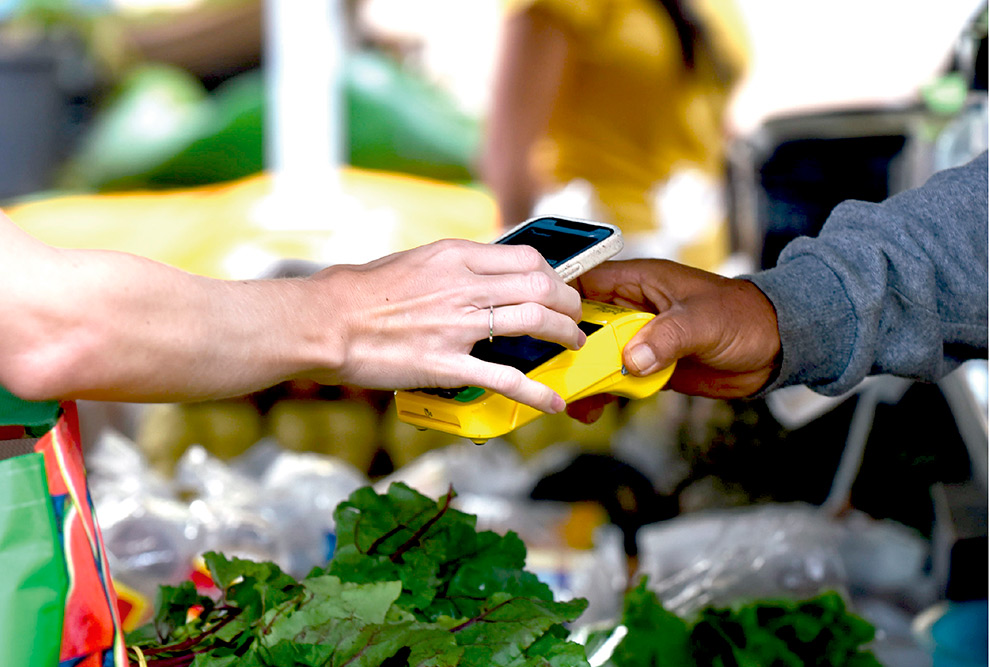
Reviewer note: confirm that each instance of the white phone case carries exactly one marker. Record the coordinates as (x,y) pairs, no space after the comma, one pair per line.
(587,259)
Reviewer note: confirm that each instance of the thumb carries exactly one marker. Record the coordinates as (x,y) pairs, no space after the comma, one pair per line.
(661,342)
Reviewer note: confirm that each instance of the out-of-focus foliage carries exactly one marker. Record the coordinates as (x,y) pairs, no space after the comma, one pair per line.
(162,129)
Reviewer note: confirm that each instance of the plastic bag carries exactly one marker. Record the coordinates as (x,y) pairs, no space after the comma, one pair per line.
(758,552)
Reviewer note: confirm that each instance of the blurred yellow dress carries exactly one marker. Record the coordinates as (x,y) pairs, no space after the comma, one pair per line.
(629,113)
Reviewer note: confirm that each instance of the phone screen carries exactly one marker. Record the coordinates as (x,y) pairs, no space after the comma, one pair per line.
(558,240)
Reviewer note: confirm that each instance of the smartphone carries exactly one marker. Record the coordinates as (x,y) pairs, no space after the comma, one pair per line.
(571,246)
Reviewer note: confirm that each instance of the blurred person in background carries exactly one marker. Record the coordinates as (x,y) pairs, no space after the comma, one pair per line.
(619,94)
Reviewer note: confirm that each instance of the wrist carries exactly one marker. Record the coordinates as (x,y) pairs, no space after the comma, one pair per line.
(317,327)
(816,321)
(763,313)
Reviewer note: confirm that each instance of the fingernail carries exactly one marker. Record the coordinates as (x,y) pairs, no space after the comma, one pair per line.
(582,339)
(641,358)
(558,405)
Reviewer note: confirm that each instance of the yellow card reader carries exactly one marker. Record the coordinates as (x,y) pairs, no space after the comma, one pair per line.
(479,414)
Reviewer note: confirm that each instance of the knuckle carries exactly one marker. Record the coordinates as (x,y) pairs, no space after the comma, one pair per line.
(449,247)
(668,336)
(446,246)
(532,317)
(541,285)
(575,299)
(507,380)
(529,258)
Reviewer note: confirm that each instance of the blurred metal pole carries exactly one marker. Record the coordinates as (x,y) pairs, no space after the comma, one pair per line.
(304,127)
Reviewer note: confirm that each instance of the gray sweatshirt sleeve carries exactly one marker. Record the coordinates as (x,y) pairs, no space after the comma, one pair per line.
(898,287)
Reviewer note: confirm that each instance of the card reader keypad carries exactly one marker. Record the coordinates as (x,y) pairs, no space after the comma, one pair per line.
(460,394)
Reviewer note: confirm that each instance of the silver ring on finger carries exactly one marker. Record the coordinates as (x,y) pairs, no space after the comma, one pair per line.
(491,323)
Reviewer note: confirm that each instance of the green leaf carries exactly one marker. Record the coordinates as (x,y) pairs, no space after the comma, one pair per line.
(348,642)
(368,602)
(331,600)
(452,569)
(250,659)
(509,625)
(174,602)
(250,586)
(654,635)
(550,651)
(228,572)
(291,653)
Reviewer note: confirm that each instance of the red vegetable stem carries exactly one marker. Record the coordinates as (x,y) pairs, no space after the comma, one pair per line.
(193,641)
(414,540)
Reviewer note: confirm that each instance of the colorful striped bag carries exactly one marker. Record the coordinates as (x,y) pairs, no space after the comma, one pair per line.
(59,607)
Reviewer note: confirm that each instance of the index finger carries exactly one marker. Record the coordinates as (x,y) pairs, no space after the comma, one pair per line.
(512,383)
(605,282)
(494,258)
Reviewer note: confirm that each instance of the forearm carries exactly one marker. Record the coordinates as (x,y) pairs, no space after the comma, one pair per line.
(898,287)
(504,164)
(529,73)
(112,326)
(107,325)
(513,186)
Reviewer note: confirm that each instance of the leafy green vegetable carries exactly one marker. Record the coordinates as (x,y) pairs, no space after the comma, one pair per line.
(412,583)
(783,633)
(446,567)
(654,636)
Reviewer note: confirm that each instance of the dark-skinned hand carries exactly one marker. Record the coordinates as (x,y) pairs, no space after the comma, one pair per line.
(721,332)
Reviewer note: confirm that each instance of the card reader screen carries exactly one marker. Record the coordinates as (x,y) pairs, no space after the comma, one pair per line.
(523,352)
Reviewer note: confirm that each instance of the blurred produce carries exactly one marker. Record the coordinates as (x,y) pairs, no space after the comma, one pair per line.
(814,631)
(494,470)
(154,112)
(225,428)
(398,122)
(624,493)
(345,429)
(162,129)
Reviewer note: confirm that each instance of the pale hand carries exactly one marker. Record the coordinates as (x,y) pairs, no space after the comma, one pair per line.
(410,319)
